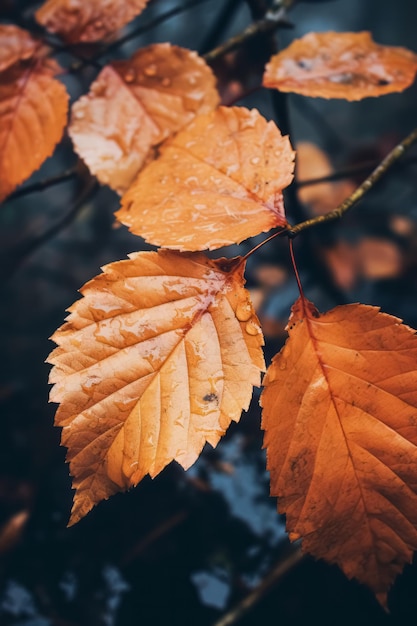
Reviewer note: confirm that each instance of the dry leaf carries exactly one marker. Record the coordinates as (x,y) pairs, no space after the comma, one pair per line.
(217,182)
(33,115)
(340,418)
(154,361)
(16,44)
(341,65)
(87,20)
(134,105)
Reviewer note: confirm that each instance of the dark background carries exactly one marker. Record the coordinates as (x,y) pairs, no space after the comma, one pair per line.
(187,547)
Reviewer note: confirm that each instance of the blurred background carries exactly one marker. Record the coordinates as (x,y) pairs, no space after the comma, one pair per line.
(189,547)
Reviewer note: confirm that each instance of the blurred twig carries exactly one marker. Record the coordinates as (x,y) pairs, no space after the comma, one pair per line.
(349,172)
(363,189)
(222,21)
(43,184)
(271,579)
(272,20)
(159,19)
(27,248)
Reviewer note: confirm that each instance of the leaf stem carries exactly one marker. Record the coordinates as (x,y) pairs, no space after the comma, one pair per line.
(294,264)
(361,191)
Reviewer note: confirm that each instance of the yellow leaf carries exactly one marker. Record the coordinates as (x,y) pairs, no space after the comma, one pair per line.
(340,415)
(218,182)
(134,105)
(341,65)
(156,359)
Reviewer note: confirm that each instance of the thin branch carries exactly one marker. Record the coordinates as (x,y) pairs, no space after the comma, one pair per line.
(44,184)
(149,25)
(271,579)
(363,189)
(221,23)
(28,248)
(269,23)
(348,172)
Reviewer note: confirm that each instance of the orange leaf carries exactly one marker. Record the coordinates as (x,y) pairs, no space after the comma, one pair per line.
(218,182)
(154,361)
(15,45)
(87,20)
(33,114)
(341,65)
(134,105)
(341,436)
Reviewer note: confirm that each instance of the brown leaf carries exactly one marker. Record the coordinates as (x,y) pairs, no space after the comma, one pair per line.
(134,105)
(33,115)
(16,44)
(87,20)
(340,418)
(217,182)
(341,65)
(156,359)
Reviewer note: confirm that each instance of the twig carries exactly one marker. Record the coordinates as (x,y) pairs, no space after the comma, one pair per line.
(270,22)
(28,248)
(222,21)
(259,592)
(348,172)
(363,189)
(43,184)
(149,25)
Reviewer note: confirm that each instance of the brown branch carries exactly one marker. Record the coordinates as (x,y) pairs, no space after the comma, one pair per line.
(349,172)
(149,25)
(279,571)
(28,248)
(361,191)
(43,184)
(273,19)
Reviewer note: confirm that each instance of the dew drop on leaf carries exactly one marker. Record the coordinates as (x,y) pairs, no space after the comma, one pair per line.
(150,70)
(130,75)
(252,328)
(243,311)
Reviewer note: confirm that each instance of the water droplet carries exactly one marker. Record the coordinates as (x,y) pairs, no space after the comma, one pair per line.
(78,114)
(150,70)
(192,80)
(130,75)
(255,160)
(166,82)
(244,311)
(252,328)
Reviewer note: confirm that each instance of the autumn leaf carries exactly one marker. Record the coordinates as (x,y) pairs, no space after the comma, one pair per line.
(340,415)
(217,182)
(33,115)
(136,104)
(341,65)
(87,20)
(156,359)
(16,44)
